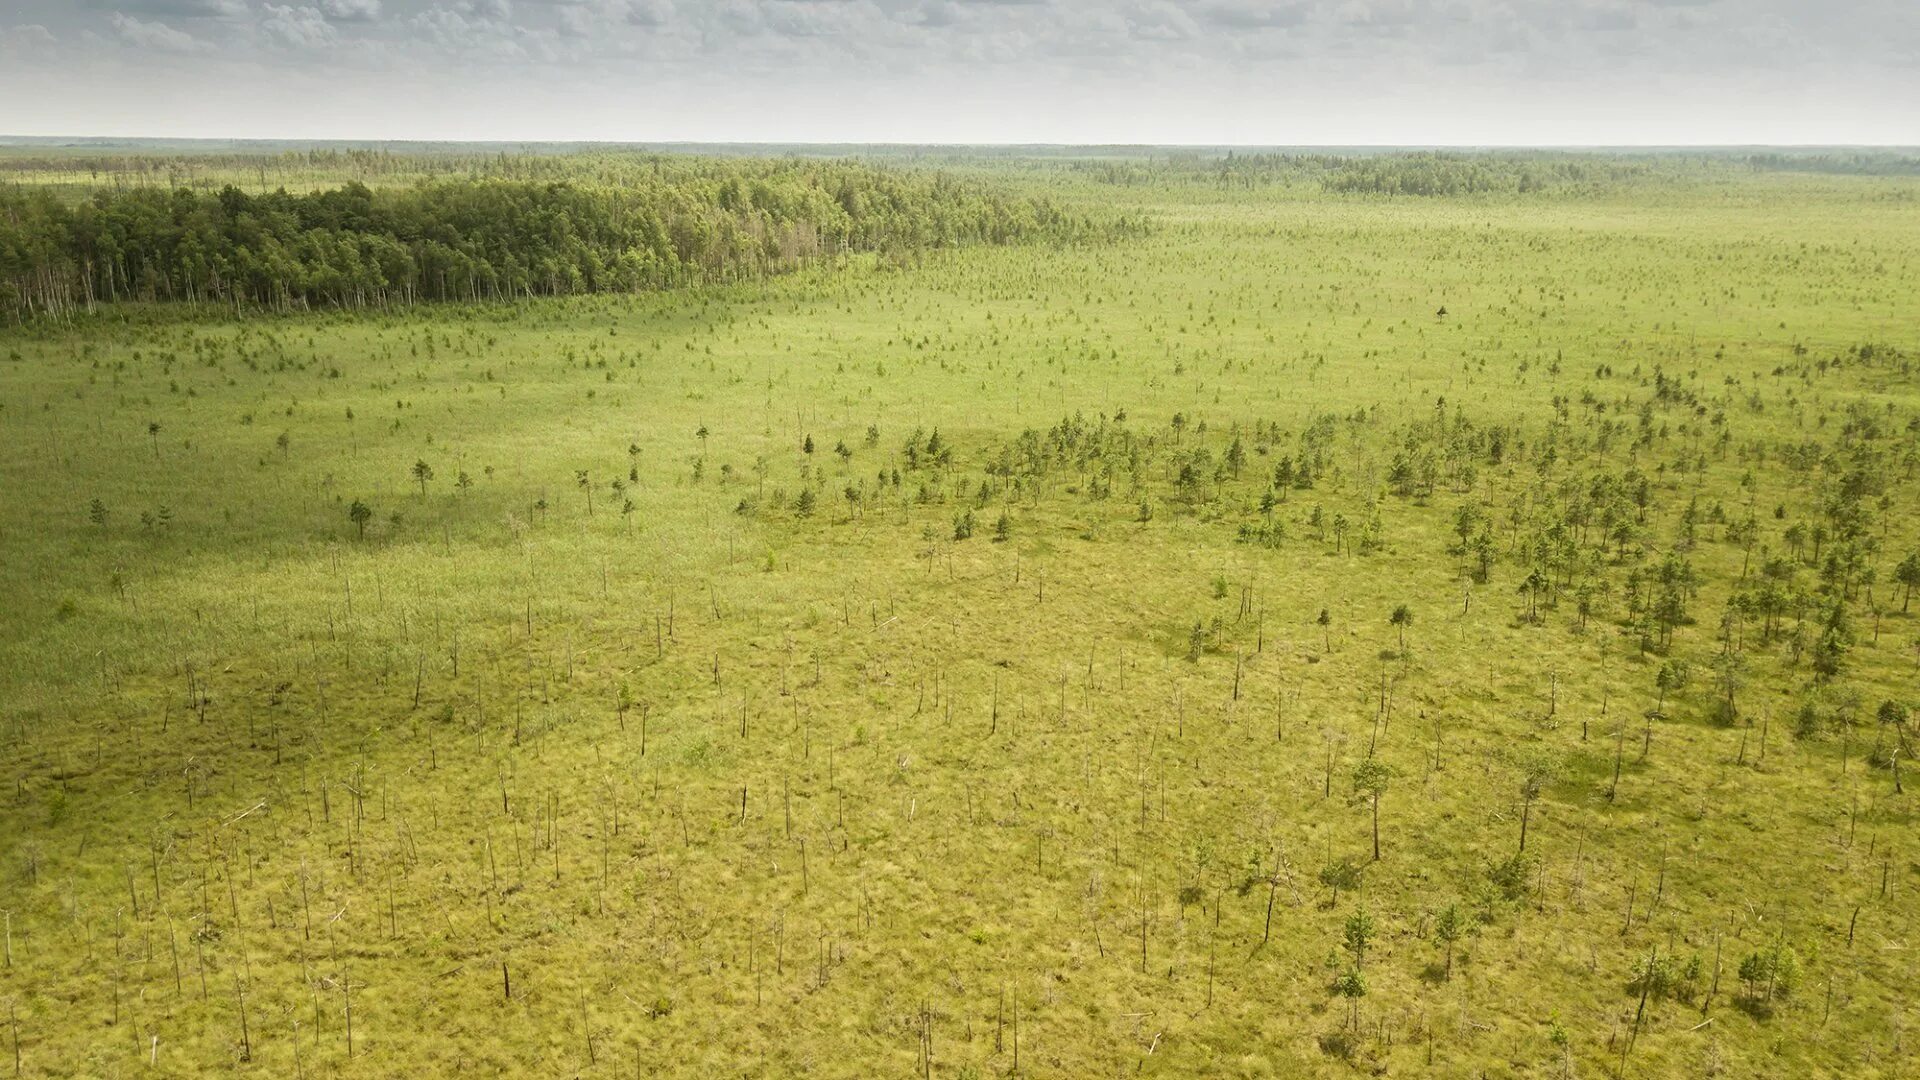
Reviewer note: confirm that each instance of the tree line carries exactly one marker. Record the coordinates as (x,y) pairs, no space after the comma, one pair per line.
(1413,173)
(1838,163)
(489,239)
(1450,173)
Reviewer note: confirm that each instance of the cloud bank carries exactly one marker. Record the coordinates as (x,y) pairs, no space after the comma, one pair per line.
(1296,72)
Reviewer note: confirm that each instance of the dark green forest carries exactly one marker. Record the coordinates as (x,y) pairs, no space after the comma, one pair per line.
(677,223)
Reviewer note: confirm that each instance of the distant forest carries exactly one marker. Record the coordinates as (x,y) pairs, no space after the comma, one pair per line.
(1446,173)
(349,226)
(679,221)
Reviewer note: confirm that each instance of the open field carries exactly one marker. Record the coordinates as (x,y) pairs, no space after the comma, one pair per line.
(1186,652)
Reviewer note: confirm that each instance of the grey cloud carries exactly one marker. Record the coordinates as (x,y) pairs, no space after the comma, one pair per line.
(934,15)
(350,10)
(791,18)
(601,18)
(794,18)
(1387,16)
(1255,16)
(1162,22)
(1610,20)
(581,20)
(649,12)
(479,28)
(977,65)
(297,27)
(23,38)
(155,35)
(189,9)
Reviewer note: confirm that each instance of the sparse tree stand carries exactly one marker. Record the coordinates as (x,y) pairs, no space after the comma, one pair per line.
(1273,887)
(1401,618)
(1894,715)
(1448,927)
(1619,754)
(246,1038)
(1536,772)
(1908,575)
(1673,675)
(1357,937)
(1341,875)
(1351,985)
(1370,779)
(1213,945)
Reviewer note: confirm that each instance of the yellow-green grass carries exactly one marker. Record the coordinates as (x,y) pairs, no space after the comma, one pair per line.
(986,791)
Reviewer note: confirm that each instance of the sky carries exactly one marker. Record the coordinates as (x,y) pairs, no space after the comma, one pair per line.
(1206,72)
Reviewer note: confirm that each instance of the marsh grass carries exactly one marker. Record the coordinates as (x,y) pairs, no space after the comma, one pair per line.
(524,788)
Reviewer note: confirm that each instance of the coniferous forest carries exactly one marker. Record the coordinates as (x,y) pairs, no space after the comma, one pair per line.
(677,223)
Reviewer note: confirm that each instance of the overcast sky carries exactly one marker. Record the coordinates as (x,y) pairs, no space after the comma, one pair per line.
(1559,72)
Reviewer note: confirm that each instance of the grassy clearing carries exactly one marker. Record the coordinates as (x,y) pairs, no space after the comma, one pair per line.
(742,782)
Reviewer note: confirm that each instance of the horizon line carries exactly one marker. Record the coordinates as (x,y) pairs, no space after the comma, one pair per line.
(7,139)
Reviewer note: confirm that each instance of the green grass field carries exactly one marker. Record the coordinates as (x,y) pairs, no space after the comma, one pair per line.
(672,725)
